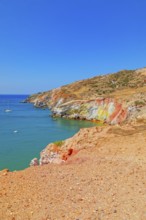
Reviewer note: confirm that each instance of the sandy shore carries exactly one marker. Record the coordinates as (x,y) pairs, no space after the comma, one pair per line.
(104,180)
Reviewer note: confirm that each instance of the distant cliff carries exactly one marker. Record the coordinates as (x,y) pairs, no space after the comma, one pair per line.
(110,98)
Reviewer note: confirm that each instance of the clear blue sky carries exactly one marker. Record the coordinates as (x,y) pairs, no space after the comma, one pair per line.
(47,43)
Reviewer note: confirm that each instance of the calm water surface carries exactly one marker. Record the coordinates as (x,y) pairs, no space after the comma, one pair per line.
(35,130)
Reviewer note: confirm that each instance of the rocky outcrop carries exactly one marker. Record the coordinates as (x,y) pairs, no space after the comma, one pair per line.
(103,109)
(34,162)
(50,155)
(104,180)
(53,154)
(111,98)
(107,110)
(86,138)
(58,154)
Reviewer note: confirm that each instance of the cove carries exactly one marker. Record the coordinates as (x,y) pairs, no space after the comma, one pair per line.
(35,129)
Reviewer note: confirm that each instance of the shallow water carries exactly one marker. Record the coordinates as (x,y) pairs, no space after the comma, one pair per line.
(26,130)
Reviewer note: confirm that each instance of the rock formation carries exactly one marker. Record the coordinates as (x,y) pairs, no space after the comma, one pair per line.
(104,180)
(101,171)
(55,154)
(110,98)
(34,162)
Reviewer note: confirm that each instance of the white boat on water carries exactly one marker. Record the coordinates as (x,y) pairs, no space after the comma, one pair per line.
(8,110)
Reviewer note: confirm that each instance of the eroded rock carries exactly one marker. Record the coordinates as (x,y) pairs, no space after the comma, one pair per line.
(34,162)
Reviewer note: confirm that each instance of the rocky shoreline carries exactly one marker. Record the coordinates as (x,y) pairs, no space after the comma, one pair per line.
(113,98)
(126,104)
(100,167)
(60,152)
(106,172)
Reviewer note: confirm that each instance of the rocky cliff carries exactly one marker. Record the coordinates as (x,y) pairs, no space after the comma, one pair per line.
(103,109)
(110,98)
(61,151)
(107,175)
(100,167)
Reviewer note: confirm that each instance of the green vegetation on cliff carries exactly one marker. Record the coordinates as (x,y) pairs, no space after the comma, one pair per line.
(112,98)
(99,86)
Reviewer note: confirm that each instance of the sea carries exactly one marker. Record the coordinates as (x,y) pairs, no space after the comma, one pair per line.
(25,131)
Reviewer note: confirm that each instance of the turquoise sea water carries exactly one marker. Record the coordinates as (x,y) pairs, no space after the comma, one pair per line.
(35,130)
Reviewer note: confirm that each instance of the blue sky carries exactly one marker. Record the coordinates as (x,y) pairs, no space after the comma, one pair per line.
(47,43)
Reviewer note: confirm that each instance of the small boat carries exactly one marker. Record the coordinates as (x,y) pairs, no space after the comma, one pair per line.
(8,110)
(15,131)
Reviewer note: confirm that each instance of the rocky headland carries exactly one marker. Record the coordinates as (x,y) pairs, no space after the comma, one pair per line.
(111,98)
(97,174)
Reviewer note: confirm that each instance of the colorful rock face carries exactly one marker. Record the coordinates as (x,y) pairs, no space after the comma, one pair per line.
(90,99)
(104,110)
